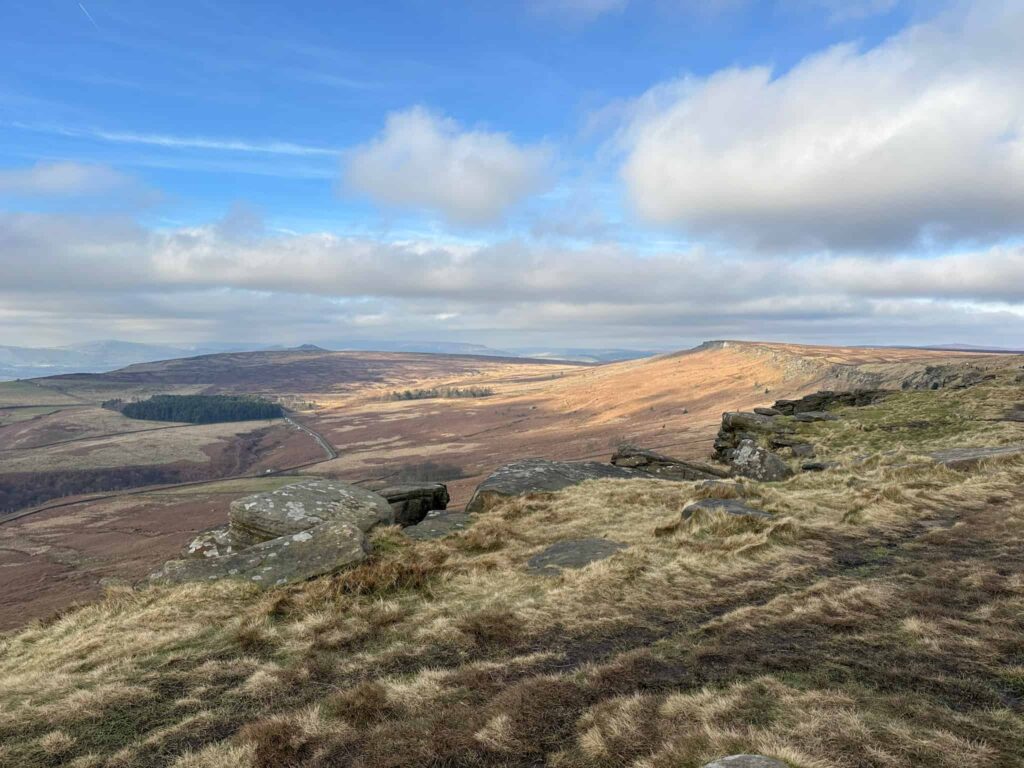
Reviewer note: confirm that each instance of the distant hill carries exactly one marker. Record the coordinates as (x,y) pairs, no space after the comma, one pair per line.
(111,354)
(96,357)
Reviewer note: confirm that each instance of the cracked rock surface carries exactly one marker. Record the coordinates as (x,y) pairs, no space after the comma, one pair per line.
(292,534)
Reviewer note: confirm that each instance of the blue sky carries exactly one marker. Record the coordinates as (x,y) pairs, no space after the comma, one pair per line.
(586,172)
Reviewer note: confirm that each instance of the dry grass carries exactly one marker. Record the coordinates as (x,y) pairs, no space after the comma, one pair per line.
(22,393)
(162,446)
(874,622)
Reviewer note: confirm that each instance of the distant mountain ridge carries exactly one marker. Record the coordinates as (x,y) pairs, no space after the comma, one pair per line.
(111,354)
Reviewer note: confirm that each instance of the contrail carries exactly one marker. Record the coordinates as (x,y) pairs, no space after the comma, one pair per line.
(89,17)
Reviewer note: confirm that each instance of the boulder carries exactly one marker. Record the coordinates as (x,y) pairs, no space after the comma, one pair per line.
(438,526)
(750,460)
(572,553)
(217,543)
(747,761)
(543,476)
(762,411)
(307,504)
(802,450)
(665,467)
(294,533)
(283,560)
(411,503)
(728,506)
(817,466)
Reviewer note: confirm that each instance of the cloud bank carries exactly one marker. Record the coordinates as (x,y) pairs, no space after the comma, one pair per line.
(213,281)
(920,139)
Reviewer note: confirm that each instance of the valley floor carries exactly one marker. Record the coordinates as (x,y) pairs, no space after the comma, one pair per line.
(875,620)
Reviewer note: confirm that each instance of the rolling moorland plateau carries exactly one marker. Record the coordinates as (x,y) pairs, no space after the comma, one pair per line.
(862,607)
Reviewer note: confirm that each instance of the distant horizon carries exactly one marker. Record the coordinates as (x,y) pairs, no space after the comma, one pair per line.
(365,345)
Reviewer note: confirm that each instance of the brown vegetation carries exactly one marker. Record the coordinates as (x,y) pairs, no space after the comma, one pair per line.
(874,621)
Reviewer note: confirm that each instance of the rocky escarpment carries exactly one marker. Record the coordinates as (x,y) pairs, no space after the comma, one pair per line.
(827,399)
(750,442)
(297,532)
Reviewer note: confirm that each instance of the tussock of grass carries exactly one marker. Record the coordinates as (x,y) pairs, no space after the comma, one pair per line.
(874,621)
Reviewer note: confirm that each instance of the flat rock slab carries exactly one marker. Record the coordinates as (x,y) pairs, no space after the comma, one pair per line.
(543,476)
(438,526)
(572,553)
(747,761)
(728,506)
(664,467)
(308,504)
(965,458)
(282,560)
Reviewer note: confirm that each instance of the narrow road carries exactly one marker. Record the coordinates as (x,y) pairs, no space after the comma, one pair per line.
(328,448)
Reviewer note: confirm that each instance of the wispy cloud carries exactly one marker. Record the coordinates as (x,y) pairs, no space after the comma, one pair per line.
(183,142)
(89,17)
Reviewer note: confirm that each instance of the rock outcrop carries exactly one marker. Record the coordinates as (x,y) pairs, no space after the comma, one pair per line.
(826,399)
(728,506)
(411,503)
(305,505)
(665,467)
(543,476)
(951,376)
(757,463)
(738,426)
(438,526)
(294,533)
(572,553)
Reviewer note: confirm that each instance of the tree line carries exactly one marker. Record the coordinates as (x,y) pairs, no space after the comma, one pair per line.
(427,394)
(197,409)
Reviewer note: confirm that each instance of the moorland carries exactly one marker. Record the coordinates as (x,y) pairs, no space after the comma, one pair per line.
(871,618)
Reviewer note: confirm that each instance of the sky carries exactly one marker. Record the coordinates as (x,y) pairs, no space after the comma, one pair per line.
(589,173)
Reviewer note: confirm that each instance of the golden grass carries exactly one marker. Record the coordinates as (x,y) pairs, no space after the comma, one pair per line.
(161,446)
(874,621)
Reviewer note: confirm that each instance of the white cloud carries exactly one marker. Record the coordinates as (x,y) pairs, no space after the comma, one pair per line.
(920,137)
(81,272)
(425,160)
(58,179)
